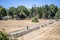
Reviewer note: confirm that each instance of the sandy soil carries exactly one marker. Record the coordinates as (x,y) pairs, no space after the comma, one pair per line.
(12,25)
(45,33)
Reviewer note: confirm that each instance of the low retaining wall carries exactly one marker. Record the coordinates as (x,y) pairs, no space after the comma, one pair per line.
(19,33)
(22,32)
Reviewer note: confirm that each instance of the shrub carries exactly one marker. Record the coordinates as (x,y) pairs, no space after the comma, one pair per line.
(34,19)
(4,35)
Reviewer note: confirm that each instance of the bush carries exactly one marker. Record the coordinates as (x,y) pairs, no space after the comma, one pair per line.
(4,35)
(34,19)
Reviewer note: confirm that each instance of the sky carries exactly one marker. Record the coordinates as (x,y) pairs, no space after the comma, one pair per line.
(27,3)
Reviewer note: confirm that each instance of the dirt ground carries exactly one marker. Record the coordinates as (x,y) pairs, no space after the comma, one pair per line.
(45,33)
(12,25)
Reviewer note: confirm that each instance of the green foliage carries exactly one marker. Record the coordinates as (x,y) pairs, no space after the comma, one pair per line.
(2,11)
(45,12)
(12,11)
(22,11)
(57,15)
(34,19)
(52,9)
(3,36)
(30,13)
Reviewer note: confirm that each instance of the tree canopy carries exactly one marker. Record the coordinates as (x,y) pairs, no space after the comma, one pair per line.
(45,11)
(57,15)
(2,11)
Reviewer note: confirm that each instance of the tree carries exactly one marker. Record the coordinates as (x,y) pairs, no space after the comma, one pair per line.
(57,15)
(2,11)
(39,9)
(30,13)
(35,14)
(34,11)
(12,11)
(45,10)
(53,9)
(22,12)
